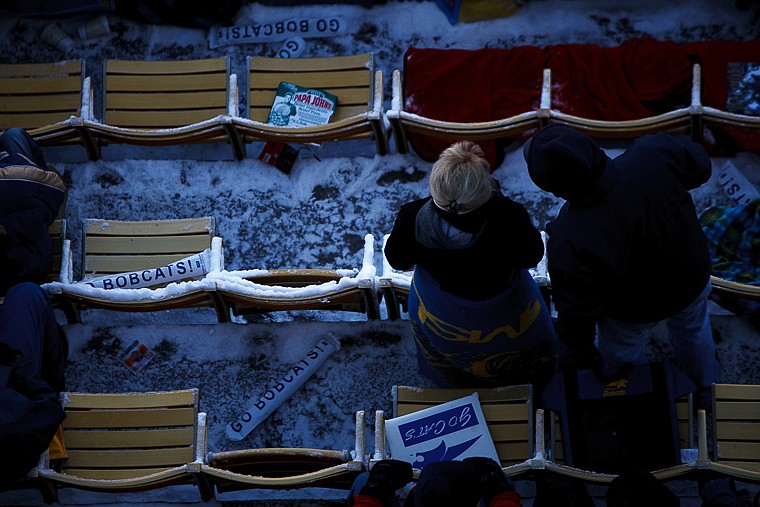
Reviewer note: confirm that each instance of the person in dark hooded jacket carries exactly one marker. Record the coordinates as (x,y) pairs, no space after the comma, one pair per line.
(476,312)
(626,250)
(33,347)
(30,198)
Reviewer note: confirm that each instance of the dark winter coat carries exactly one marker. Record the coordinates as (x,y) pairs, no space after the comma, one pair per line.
(628,246)
(29,418)
(30,197)
(481,259)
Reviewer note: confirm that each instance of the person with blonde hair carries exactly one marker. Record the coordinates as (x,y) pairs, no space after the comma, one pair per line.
(477,315)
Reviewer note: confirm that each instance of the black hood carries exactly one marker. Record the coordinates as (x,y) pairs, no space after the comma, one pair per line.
(565,162)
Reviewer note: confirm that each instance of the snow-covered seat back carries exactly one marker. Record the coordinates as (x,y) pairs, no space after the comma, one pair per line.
(144,266)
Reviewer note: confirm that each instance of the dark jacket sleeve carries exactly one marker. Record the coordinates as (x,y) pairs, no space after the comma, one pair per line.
(528,250)
(26,245)
(30,198)
(400,248)
(30,417)
(687,160)
(578,308)
(575,292)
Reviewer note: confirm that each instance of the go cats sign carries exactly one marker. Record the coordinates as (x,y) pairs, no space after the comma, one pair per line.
(450,431)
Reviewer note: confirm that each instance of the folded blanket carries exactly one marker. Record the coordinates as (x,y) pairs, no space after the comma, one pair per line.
(734,239)
(638,79)
(733,235)
(507,339)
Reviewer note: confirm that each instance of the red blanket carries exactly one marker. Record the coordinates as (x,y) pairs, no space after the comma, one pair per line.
(640,78)
(471,86)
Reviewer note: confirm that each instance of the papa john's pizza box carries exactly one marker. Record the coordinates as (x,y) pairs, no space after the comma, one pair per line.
(450,431)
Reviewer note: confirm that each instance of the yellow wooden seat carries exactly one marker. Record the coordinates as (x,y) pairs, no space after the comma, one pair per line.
(353,79)
(261,291)
(287,468)
(508,412)
(736,431)
(258,291)
(114,246)
(45,99)
(131,442)
(160,103)
(550,446)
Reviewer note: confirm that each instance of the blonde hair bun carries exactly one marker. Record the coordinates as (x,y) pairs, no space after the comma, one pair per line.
(460,180)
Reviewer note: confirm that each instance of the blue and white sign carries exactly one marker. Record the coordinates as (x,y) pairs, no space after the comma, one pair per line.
(450,431)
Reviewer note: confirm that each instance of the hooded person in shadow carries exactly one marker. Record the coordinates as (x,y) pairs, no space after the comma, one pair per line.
(33,347)
(626,251)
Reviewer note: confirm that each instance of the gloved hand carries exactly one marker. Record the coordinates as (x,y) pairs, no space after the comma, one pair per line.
(385,478)
(493,480)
